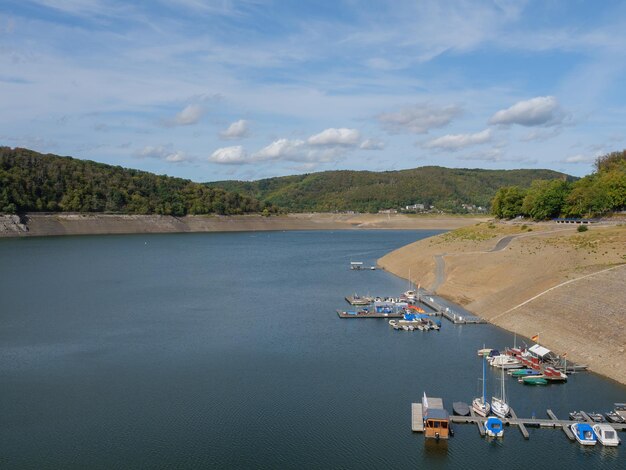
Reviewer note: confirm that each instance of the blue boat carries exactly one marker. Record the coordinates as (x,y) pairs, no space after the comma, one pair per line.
(494,427)
(584,434)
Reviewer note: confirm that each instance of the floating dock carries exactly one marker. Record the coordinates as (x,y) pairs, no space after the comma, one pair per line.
(451,312)
(358,300)
(522,423)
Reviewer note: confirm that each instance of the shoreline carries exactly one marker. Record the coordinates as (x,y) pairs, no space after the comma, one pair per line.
(533,279)
(59,224)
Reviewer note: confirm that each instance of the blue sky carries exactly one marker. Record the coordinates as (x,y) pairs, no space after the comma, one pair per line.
(212,90)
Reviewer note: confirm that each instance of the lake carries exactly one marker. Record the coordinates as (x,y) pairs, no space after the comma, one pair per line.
(223,350)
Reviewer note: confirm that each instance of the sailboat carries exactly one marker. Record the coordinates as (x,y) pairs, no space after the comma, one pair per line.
(499,405)
(480,404)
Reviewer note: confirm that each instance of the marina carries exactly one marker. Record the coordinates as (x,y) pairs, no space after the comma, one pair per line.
(417,415)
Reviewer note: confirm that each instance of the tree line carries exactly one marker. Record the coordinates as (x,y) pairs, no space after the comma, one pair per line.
(31,182)
(599,193)
(365,191)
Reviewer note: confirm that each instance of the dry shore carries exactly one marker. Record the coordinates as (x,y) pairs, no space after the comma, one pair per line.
(534,279)
(33,225)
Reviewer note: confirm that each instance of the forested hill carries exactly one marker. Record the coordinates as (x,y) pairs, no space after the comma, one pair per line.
(30,181)
(366,191)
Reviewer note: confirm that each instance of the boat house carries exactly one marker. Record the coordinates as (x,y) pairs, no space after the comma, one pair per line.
(436,419)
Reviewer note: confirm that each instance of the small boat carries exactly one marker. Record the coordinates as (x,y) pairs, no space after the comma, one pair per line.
(499,406)
(460,408)
(504,361)
(484,352)
(480,404)
(606,434)
(524,372)
(584,434)
(494,427)
(529,380)
(577,416)
(613,417)
(596,417)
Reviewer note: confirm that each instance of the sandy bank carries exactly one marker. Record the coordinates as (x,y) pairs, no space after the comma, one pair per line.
(94,224)
(567,287)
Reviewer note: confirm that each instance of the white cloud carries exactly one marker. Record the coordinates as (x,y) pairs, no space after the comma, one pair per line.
(334,136)
(162,152)
(229,155)
(539,111)
(176,157)
(190,114)
(575,159)
(236,130)
(418,119)
(281,149)
(459,141)
(372,144)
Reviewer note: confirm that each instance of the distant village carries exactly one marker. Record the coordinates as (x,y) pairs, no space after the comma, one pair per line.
(426,208)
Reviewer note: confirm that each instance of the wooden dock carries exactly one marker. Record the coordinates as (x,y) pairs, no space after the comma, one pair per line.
(521,426)
(565,429)
(417,417)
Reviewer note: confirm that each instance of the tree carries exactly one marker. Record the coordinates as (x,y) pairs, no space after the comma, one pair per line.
(545,199)
(507,203)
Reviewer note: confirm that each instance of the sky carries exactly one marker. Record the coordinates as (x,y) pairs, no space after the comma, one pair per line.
(250,89)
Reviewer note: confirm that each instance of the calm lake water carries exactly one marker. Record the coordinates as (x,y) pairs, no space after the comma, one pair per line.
(224,351)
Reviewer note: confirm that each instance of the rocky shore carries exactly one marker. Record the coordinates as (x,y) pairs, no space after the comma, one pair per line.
(32,225)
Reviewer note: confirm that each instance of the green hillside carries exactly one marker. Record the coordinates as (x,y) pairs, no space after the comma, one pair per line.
(31,181)
(366,191)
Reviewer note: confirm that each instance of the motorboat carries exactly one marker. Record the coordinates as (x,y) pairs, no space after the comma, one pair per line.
(529,380)
(596,417)
(584,434)
(504,361)
(494,427)
(480,405)
(499,406)
(524,372)
(613,417)
(577,416)
(606,434)
(483,352)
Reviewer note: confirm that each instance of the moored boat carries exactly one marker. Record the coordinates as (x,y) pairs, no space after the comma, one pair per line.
(494,427)
(577,416)
(499,406)
(480,404)
(530,380)
(524,372)
(504,361)
(584,434)
(606,434)
(613,417)
(596,417)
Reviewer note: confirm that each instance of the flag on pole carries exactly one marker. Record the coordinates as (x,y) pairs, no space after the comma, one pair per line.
(425,401)
(535,338)
(564,354)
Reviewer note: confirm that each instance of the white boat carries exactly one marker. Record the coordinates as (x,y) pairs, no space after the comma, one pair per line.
(483,352)
(480,404)
(606,434)
(584,434)
(494,427)
(499,406)
(504,361)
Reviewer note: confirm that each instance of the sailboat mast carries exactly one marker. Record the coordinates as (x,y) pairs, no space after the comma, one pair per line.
(484,399)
